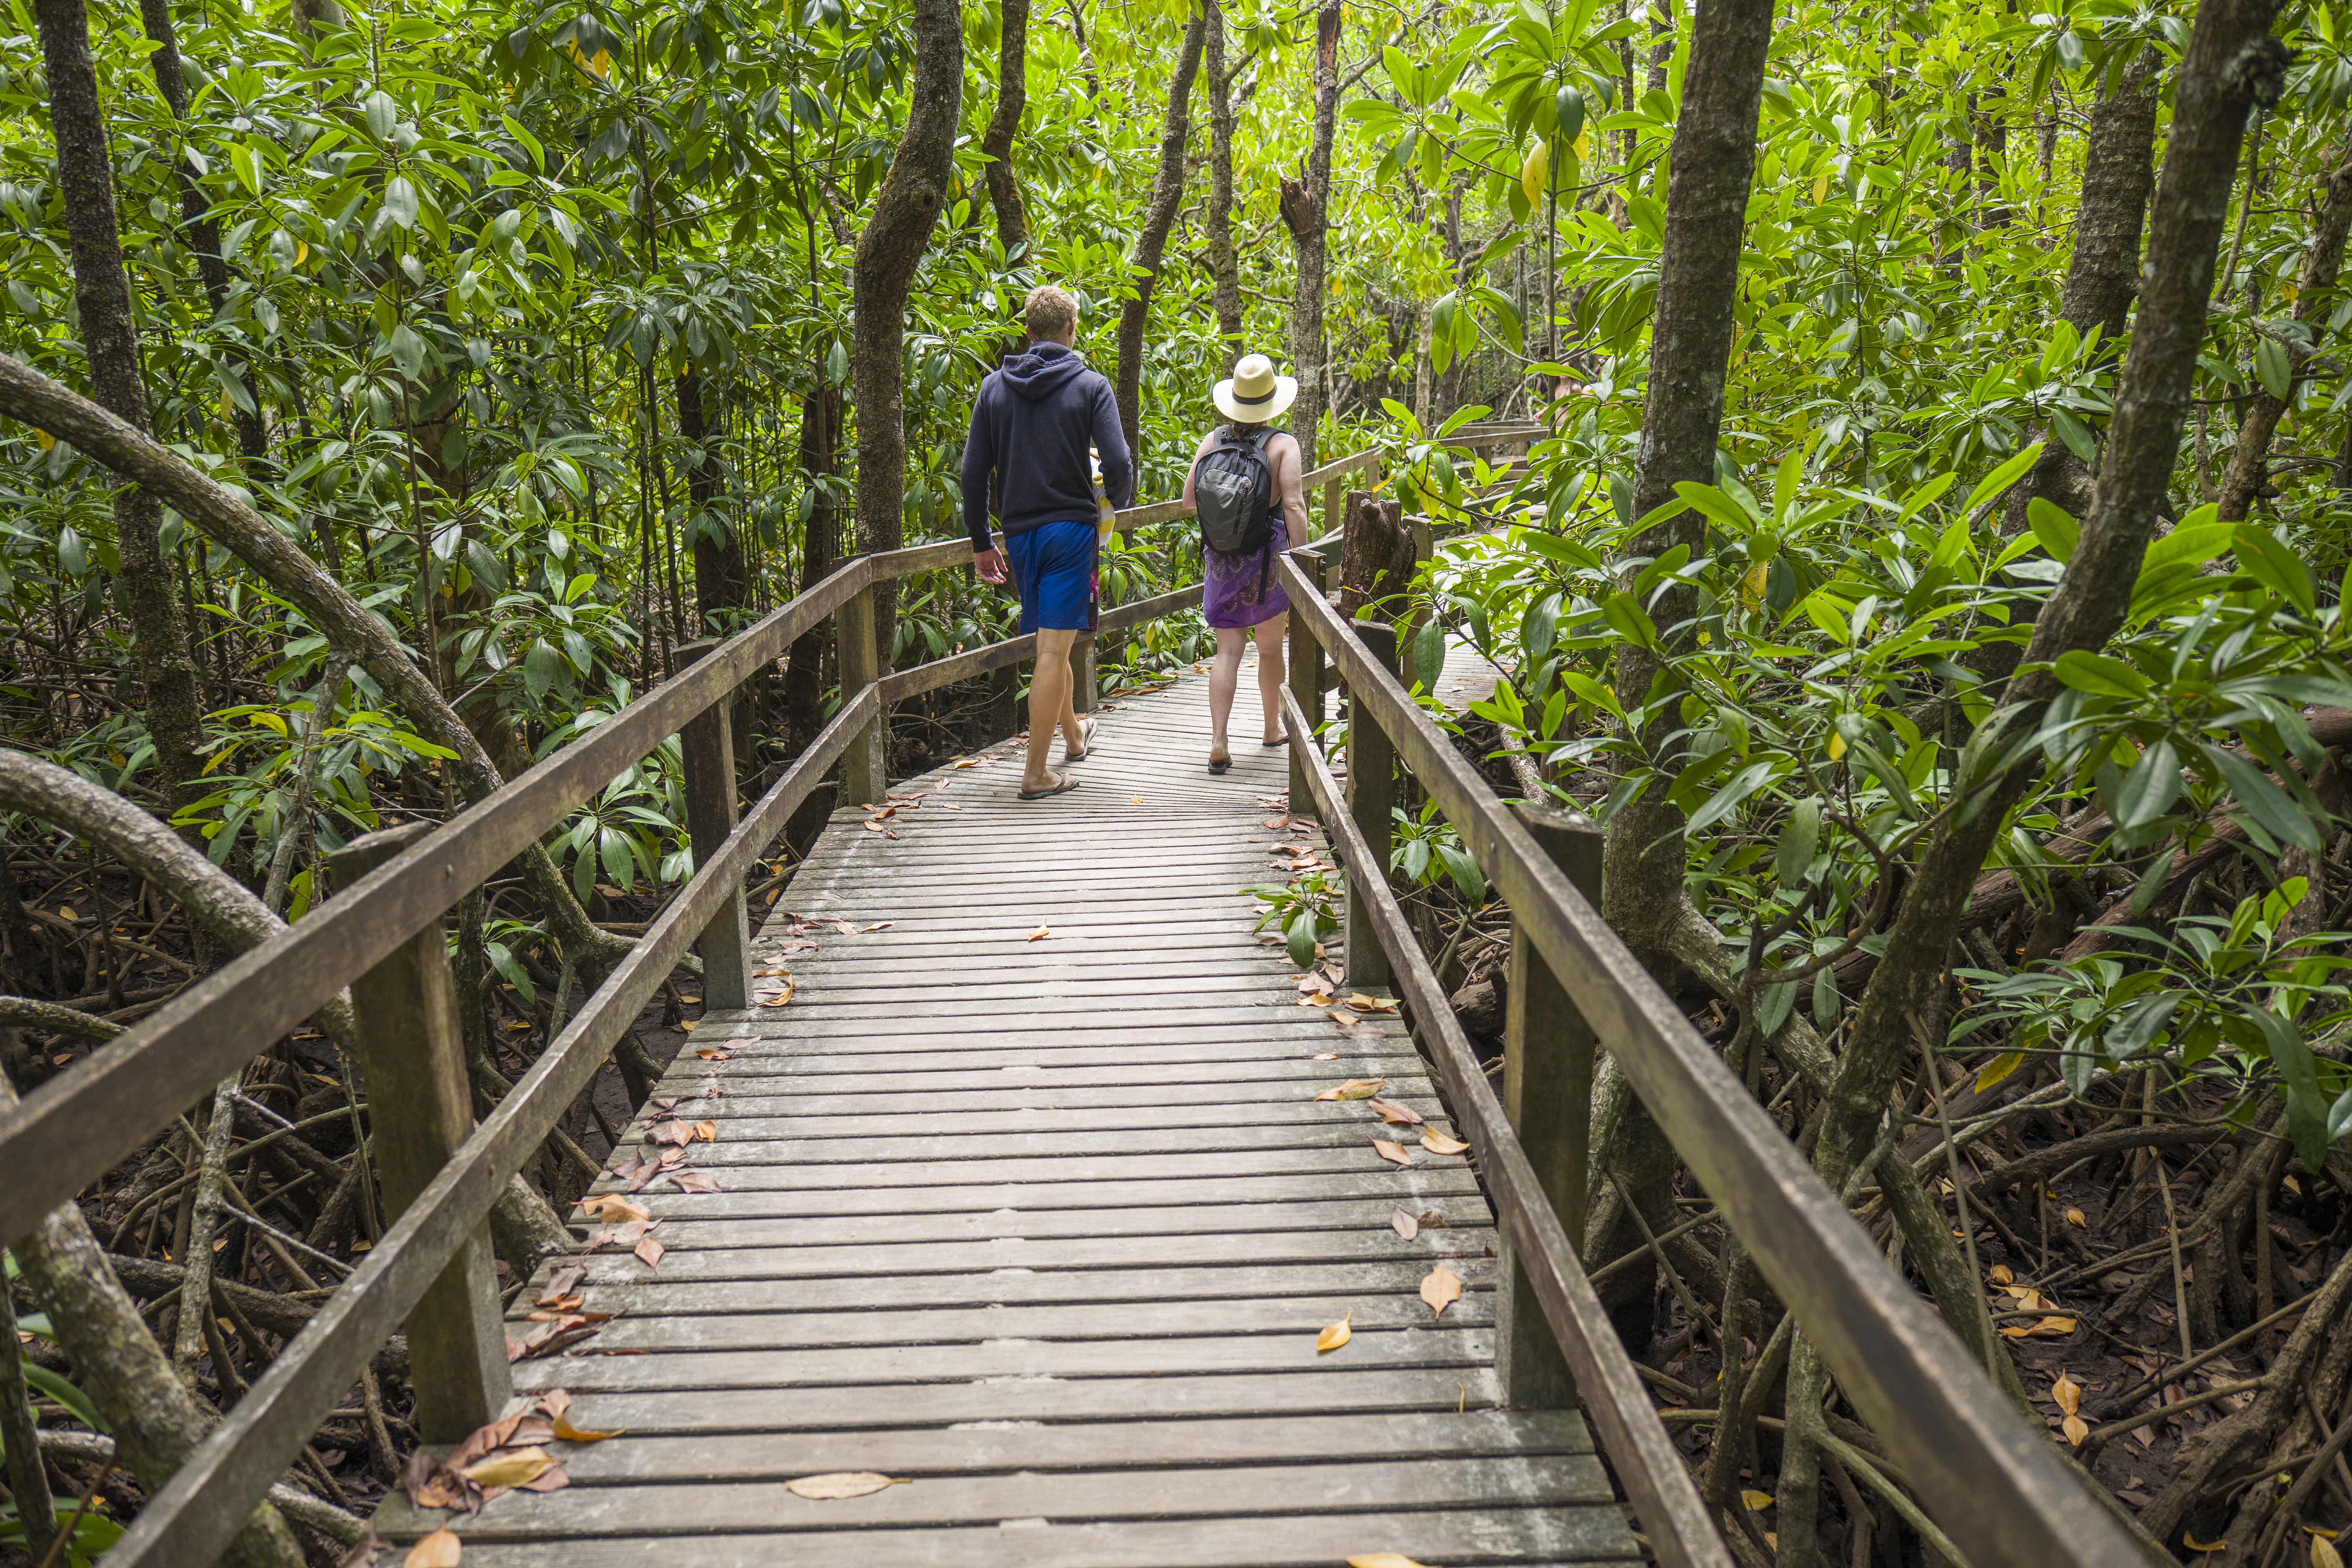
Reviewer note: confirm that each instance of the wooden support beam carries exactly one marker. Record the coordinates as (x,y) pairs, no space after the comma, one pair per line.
(707,746)
(420,1108)
(1547,1095)
(865,770)
(1371,792)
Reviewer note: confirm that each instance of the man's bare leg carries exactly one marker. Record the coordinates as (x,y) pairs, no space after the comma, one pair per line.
(1049,700)
(1273,671)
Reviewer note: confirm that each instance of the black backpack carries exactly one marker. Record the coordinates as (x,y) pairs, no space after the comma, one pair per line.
(1233,489)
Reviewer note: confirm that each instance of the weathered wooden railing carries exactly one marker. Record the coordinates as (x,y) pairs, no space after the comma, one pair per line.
(1996,1486)
(381,936)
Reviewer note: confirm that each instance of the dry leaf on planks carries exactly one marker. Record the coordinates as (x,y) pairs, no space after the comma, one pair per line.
(1441,1287)
(837,1484)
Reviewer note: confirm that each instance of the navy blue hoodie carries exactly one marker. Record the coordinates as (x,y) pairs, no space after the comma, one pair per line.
(1034,419)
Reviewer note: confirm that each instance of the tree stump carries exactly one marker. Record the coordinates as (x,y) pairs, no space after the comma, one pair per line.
(1376,556)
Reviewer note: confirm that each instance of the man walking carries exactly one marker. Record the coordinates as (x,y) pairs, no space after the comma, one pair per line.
(1036,416)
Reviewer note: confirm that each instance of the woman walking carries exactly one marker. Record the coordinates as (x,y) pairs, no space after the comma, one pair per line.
(1246,485)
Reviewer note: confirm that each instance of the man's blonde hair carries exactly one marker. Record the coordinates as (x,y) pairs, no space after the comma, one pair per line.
(1050,311)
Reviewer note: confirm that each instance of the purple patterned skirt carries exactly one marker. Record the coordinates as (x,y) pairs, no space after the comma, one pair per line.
(1230,595)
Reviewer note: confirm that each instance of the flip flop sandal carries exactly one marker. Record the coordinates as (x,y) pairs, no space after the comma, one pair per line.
(1062,786)
(1086,728)
(1219,764)
(1270,745)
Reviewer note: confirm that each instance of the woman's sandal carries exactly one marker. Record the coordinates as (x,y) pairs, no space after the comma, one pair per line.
(1061,784)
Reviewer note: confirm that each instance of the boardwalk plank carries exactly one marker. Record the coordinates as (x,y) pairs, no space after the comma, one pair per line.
(1048,1228)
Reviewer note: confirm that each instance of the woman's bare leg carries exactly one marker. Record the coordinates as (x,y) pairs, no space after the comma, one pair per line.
(1273,671)
(1225,674)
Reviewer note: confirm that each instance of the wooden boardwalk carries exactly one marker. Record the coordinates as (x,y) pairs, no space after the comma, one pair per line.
(1045,1225)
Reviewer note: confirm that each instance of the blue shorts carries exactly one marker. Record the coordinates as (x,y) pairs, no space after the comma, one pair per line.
(1053,564)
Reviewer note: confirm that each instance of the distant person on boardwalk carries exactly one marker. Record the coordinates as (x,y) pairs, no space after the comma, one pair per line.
(1245,486)
(1035,418)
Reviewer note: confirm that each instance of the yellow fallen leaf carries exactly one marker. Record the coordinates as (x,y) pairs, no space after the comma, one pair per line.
(1395,1152)
(1999,1068)
(2191,1541)
(1336,1335)
(1382,1560)
(1355,1089)
(1135,800)
(2000,1274)
(707,1131)
(839,1484)
(1363,1004)
(1040,933)
(2074,1217)
(1439,1143)
(1441,1287)
(510,1469)
(2324,1554)
(612,1207)
(2076,1429)
(2068,1392)
(568,1433)
(688,1024)
(438,1550)
(1757,1501)
(781,999)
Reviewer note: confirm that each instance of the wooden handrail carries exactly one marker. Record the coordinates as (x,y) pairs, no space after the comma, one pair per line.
(71,1130)
(1674,1516)
(1994,1484)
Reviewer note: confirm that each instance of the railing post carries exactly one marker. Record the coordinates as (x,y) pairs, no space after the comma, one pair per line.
(420,1108)
(1082,695)
(865,775)
(1371,791)
(1305,676)
(708,745)
(1547,1095)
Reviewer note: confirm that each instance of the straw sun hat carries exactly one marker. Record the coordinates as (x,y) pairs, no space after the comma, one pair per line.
(1253,393)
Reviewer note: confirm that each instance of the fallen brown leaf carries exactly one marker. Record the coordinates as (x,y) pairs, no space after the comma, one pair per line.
(566,1431)
(839,1484)
(552,1479)
(672,1132)
(1335,1335)
(560,1283)
(1437,1143)
(649,1252)
(879,925)
(695,1182)
(438,1550)
(513,1467)
(1441,1287)
(1403,1224)
(1355,1089)
(844,928)
(1396,1153)
(1363,1004)
(1041,933)
(781,999)
(611,1205)
(1324,1057)
(1391,1112)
